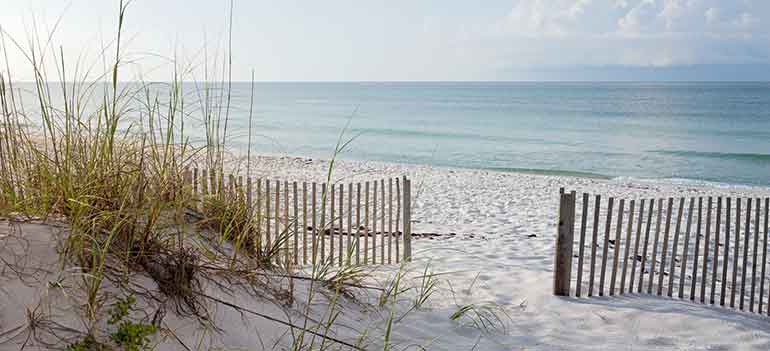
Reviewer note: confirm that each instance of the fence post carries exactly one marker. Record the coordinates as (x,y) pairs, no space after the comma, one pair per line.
(187,182)
(564,243)
(407,219)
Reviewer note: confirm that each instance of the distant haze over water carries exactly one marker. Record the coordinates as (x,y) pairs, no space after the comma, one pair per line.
(698,131)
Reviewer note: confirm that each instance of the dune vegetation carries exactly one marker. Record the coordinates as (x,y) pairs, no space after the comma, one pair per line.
(106,162)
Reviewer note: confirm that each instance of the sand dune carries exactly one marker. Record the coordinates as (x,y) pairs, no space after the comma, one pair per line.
(494,241)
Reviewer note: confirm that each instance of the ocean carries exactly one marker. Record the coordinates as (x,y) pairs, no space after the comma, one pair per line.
(684,131)
(717,132)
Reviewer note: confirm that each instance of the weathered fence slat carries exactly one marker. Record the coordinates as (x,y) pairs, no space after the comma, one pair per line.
(268,240)
(249,198)
(719,219)
(240,189)
(295,207)
(764,259)
(408,219)
(322,223)
(594,243)
(250,207)
(636,248)
(655,247)
(674,247)
(313,224)
(195,182)
(187,186)
(695,256)
(736,255)
(726,260)
(664,249)
(366,223)
(398,215)
(213,182)
(564,243)
(221,185)
(616,246)
(646,242)
(332,219)
(581,248)
(304,223)
(627,247)
(205,180)
(374,222)
(339,223)
(605,249)
(277,217)
(767,233)
(258,223)
(204,183)
(322,232)
(744,266)
(286,231)
(683,261)
(213,188)
(715,265)
(358,223)
(382,222)
(390,219)
(754,258)
(350,249)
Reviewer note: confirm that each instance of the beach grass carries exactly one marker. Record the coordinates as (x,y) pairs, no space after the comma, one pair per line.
(109,161)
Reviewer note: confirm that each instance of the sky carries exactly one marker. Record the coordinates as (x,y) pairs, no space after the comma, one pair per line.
(400,40)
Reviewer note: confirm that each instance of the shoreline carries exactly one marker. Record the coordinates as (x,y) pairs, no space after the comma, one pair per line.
(491,203)
(268,158)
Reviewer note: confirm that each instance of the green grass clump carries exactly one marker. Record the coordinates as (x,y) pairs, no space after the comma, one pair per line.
(88,343)
(131,336)
(484,316)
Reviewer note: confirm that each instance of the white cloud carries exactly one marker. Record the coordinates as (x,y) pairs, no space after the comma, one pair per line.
(712,15)
(579,8)
(671,12)
(746,20)
(638,18)
(655,33)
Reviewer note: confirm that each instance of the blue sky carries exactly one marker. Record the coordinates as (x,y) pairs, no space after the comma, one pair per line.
(417,40)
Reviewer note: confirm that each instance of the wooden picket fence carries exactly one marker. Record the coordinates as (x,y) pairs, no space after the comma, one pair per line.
(313,223)
(715,254)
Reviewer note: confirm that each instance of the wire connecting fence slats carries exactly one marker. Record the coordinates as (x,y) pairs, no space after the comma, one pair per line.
(316,223)
(712,250)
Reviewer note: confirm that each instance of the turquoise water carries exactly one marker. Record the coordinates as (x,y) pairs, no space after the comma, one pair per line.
(695,131)
(701,131)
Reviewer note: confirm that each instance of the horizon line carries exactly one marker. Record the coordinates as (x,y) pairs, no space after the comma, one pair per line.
(414,81)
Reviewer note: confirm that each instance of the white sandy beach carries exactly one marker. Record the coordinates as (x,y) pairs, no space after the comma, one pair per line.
(501,255)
